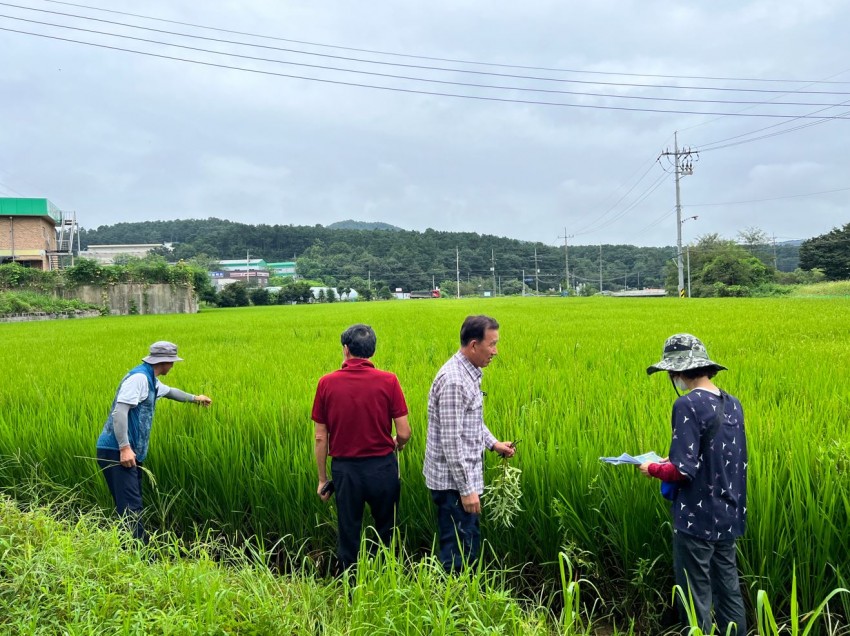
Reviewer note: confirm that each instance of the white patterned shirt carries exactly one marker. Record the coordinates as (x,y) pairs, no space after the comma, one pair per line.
(457,435)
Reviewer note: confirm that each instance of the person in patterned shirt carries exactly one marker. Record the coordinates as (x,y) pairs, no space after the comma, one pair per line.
(708,465)
(455,443)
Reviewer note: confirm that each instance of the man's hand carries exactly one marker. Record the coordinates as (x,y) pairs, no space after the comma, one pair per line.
(326,496)
(644,468)
(398,447)
(505,449)
(471,503)
(203,400)
(127,457)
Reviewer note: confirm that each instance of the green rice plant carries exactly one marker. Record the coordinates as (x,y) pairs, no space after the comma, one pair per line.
(503,494)
(570,381)
(768,625)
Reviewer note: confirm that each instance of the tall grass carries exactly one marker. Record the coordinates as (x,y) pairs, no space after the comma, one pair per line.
(77,576)
(570,382)
(832,288)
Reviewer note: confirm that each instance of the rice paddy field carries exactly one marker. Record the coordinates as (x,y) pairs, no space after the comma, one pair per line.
(570,382)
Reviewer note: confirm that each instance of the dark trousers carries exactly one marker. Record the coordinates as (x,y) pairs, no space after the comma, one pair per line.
(357,482)
(459,531)
(712,574)
(125,484)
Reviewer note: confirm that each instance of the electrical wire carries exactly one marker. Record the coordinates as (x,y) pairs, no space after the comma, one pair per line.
(431,58)
(395,88)
(772,103)
(655,222)
(579,230)
(644,195)
(790,196)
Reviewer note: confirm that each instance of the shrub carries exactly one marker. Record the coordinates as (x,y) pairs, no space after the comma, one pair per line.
(260,296)
(234,295)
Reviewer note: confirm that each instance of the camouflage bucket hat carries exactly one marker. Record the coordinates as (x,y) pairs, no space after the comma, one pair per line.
(683,352)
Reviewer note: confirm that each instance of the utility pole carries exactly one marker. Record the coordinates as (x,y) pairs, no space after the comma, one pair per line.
(493,269)
(683,166)
(523,283)
(567,257)
(457,270)
(600,267)
(775,261)
(536,275)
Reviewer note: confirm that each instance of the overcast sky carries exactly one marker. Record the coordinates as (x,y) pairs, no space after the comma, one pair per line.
(119,136)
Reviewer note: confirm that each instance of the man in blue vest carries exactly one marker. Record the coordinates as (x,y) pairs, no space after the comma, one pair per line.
(123,443)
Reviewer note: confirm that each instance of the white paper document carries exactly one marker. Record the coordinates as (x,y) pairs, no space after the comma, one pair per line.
(651,456)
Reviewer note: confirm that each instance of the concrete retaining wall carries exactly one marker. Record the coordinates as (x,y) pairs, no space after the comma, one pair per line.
(137,298)
(65,315)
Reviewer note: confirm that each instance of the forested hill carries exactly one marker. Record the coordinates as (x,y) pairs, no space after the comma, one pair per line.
(402,258)
(362,225)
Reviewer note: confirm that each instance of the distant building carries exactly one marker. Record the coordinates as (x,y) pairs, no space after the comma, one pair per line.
(285,268)
(243,264)
(106,254)
(251,277)
(31,233)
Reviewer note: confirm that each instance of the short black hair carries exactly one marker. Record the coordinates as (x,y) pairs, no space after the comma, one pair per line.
(474,328)
(360,340)
(700,372)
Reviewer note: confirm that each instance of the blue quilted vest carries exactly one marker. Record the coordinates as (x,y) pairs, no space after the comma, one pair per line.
(140,418)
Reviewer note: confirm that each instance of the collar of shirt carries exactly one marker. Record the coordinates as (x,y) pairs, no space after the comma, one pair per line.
(355,364)
(474,372)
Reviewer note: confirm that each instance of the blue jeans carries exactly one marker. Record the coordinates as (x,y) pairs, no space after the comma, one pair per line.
(712,574)
(125,485)
(459,531)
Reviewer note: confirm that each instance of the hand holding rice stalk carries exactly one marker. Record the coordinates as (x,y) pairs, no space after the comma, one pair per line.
(504,493)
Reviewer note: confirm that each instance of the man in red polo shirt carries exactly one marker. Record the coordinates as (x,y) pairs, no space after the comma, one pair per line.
(354,411)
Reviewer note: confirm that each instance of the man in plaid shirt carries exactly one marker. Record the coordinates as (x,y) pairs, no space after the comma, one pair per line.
(456,439)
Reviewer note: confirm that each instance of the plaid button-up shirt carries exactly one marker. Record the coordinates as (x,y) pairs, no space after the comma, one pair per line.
(457,435)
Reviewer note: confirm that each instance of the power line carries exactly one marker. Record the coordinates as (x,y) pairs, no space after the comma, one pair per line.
(708,147)
(772,103)
(432,58)
(394,88)
(655,222)
(805,85)
(773,134)
(790,196)
(641,198)
(10,189)
(580,229)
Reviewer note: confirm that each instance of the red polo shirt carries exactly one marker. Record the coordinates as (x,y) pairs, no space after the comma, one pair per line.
(358,404)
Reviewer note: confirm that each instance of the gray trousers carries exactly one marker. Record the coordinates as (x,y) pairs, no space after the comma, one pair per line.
(712,575)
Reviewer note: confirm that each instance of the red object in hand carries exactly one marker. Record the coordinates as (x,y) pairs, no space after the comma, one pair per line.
(666,472)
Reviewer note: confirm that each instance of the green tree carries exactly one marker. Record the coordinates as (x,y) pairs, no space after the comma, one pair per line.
(828,252)
(512,287)
(234,295)
(717,263)
(260,296)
